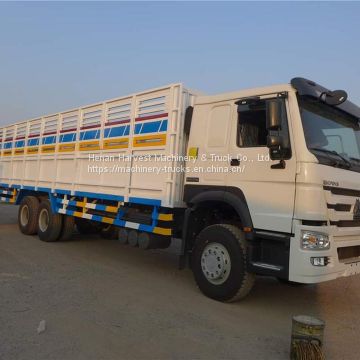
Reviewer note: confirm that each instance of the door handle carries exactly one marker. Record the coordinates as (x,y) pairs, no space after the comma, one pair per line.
(235,162)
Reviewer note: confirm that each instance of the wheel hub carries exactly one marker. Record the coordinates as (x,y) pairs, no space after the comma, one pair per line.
(215,263)
(43,220)
(24,215)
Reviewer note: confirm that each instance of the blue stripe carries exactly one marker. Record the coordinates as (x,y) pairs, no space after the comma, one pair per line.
(64,192)
(163,126)
(138,128)
(100,196)
(89,135)
(20,143)
(121,223)
(150,127)
(91,195)
(33,142)
(32,188)
(114,131)
(101,207)
(97,218)
(8,145)
(147,228)
(43,189)
(143,201)
(127,130)
(67,138)
(48,140)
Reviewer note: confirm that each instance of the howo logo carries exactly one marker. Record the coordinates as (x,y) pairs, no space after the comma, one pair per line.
(330,183)
(356,211)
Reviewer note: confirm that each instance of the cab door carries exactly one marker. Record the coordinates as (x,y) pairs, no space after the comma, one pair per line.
(268,185)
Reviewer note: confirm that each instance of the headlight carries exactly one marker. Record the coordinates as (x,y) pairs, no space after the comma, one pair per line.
(311,240)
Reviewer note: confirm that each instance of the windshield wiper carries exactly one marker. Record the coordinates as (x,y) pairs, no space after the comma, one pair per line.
(332,152)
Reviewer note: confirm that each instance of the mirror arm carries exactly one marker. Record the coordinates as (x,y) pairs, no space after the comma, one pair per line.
(280,165)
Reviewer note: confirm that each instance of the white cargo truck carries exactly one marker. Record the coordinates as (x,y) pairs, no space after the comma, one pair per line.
(261,181)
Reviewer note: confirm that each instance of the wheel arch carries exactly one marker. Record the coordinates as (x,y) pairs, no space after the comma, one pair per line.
(24,193)
(205,200)
(236,201)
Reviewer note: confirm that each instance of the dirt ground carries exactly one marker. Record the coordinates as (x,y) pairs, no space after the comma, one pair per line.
(104,300)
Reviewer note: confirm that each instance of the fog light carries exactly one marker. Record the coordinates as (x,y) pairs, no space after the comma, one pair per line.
(311,240)
(319,261)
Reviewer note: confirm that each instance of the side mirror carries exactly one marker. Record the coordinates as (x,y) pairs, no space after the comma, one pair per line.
(273,114)
(273,142)
(275,145)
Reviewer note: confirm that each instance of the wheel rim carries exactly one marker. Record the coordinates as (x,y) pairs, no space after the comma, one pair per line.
(215,263)
(24,215)
(43,220)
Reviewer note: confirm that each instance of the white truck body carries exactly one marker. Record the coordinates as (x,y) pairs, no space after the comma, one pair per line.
(53,151)
(293,207)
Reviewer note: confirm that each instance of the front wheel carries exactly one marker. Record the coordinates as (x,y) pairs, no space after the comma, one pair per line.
(219,263)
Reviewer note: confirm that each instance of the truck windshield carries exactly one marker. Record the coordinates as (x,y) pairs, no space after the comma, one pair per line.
(332,135)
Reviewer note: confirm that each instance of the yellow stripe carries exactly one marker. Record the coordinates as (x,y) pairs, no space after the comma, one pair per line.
(19,151)
(80,204)
(47,149)
(89,145)
(13,198)
(107,220)
(7,153)
(166,217)
(149,140)
(78,214)
(116,143)
(162,231)
(32,150)
(67,147)
(112,209)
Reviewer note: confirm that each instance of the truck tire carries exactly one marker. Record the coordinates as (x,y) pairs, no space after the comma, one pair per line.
(86,227)
(219,263)
(49,224)
(110,232)
(123,236)
(68,224)
(27,215)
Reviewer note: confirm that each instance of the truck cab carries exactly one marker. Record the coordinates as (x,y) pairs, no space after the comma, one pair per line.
(283,163)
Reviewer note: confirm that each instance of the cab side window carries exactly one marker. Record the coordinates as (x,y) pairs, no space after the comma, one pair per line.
(252,131)
(252,125)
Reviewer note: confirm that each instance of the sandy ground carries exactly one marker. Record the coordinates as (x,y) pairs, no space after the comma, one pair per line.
(103,300)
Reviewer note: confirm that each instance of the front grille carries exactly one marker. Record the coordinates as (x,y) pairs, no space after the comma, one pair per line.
(342,191)
(349,252)
(343,206)
(346,223)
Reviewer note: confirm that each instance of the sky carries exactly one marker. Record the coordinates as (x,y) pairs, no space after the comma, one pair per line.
(57,56)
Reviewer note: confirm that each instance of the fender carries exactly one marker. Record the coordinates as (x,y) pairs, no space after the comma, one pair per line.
(194,195)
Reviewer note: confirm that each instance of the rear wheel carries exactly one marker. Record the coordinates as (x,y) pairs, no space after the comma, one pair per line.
(67,230)
(219,263)
(27,215)
(49,224)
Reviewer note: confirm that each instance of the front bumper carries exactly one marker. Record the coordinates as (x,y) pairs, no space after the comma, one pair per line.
(303,271)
